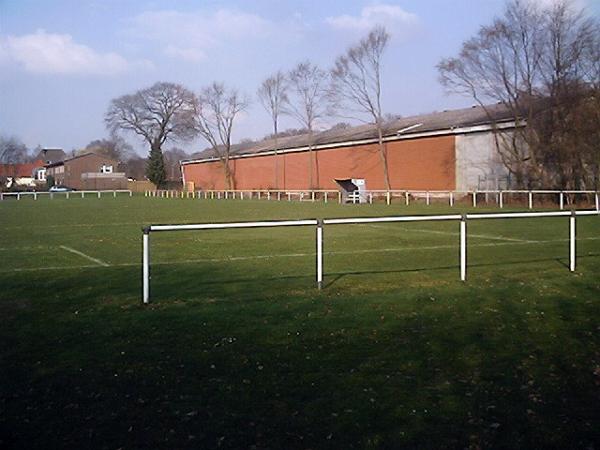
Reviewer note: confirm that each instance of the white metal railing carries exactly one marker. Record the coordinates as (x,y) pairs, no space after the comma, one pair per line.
(498,197)
(66,194)
(320,223)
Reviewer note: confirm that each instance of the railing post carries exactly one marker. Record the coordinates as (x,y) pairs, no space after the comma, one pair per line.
(68,195)
(501,200)
(572,256)
(387,196)
(98,194)
(35,195)
(451,195)
(312,196)
(407,197)
(474,199)
(340,197)
(427,198)
(320,254)
(561,200)
(18,196)
(530,200)
(278,196)
(325,196)
(370,198)
(114,193)
(597,202)
(463,247)
(146,265)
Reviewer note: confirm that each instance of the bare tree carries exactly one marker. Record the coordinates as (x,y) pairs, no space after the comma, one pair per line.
(356,85)
(533,61)
(12,150)
(272,94)
(162,112)
(115,147)
(308,102)
(218,109)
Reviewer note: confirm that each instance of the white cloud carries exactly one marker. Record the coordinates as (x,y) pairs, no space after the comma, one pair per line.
(391,16)
(49,53)
(190,35)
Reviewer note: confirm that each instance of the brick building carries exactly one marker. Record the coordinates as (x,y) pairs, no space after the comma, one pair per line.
(89,171)
(450,150)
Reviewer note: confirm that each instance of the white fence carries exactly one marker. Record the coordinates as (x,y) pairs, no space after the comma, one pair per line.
(320,223)
(474,198)
(66,194)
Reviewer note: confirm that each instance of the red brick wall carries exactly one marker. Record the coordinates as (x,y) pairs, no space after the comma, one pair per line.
(427,163)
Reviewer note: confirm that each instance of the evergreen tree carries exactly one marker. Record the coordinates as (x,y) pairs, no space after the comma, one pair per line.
(155,168)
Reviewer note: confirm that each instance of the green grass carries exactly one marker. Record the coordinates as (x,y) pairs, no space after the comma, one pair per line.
(239,350)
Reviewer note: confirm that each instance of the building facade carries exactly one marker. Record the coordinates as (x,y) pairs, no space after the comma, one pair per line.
(89,171)
(450,150)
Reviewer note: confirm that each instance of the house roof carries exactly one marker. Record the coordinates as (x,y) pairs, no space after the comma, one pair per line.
(51,155)
(413,125)
(83,155)
(20,170)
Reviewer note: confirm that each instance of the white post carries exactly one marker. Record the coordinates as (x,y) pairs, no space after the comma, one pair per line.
(463,248)
(278,196)
(427,194)
(387,196)
(407,197)
(325,196)
(474,199)
(114,193)
(258,195)
(18,196)
(67,195)
(572,256)
(501,200)
(530,200)
(131,193)
(561,200)
(289,197)
(597,202)
(98,194)
(51,195)
(146,265)
(35,195)
(370,198)
(320,253)
(340,197)
(451,199)
(268,195)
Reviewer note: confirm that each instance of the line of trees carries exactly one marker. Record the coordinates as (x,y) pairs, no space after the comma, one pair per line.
(543,64)
(169,112)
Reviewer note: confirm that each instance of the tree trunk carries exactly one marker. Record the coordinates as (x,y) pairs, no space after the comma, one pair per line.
(383,157)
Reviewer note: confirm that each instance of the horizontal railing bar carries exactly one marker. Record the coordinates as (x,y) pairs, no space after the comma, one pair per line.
(390,219)
(220,226)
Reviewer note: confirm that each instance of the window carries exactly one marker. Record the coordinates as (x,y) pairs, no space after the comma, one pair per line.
(41,175)
(106,169)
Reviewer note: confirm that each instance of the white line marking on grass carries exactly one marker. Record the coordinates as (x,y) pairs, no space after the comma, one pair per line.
(292,255)
(449,233)
(83,255)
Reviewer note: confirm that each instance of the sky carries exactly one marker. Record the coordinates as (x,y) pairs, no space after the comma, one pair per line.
(62,61)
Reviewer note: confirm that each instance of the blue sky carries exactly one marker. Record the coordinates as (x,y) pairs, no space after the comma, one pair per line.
(62,61)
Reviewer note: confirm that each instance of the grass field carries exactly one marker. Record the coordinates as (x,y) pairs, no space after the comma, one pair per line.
(238,349)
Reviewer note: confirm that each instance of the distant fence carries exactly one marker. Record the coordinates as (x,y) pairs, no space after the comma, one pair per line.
(65,194)
(320,224)
(500,198)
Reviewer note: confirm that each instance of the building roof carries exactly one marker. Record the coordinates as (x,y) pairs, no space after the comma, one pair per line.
(51,155)
(20,170)
(406,126)
(83,155)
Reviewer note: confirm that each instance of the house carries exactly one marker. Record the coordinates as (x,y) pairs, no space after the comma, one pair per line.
(88,171)
(449,150)
(23,174)
(48,156)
